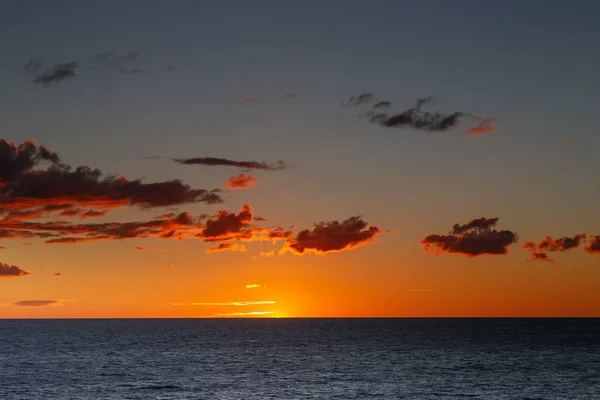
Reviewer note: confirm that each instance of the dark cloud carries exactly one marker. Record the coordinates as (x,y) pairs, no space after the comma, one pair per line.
(35,303)
(43,72)
(93,214)
(57,274)
(416,118)
(17,160)
(593,245)
(248,165)
(241,181)
(540,251)
(227,247)
(474,238)
(332,236)
(360,99)
(11,271)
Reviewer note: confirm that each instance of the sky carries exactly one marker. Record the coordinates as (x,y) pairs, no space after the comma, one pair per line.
(305,159)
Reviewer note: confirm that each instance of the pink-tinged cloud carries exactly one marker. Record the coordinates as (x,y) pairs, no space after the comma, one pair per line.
(474,238)
(540,251)
(227,247)
(593,245)
(332,236)
(481,130)
(12,271)
(246,101)
(483,127)
(241,181)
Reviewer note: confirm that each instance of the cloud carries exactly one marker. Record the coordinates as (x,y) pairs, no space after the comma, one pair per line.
(332,236)
(227,247)
(169,266)
(246,101)
(36,303)
(416,118)
(41,72)
(540,251)
(57,274)
(11,271)
(254,286)
(248,165)
(483,127)
(474,238)
(359,99)
(241,181)
(28,192)
(228,304)
(228,226)
(243,314)
(593,246)
(290,96)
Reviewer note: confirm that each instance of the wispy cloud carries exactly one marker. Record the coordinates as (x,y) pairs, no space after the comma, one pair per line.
(248,165)
(228,247)
(540,251)
(39,303)
(243,314)
(254,286)
(228,304)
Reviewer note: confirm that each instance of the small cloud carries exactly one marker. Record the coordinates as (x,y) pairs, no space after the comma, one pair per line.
(227,247)
(228,304)
(359,99)
(254,286)
(243,314)
(593,246)
(169,266)
(11,271)
(57,274)
(332,236)
(474,238)
(36,303)
(246,101)
(483,127)
(248,165)
(27,244)
(540,251)
(138,248)
(241,181)
(290,96)
(563,140)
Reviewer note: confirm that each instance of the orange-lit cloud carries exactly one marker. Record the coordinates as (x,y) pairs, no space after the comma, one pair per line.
(474,238)
(593,246)
(483,127)
(243,314)
(254,286)
(332,236)
(227,304)
(227,247)
(11,271)
(540,251)
(36,303)
(57,274)
(241,181)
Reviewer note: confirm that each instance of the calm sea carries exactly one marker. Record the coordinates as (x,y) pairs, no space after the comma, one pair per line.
(300,359)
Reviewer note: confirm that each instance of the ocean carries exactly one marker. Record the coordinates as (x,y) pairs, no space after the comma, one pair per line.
(300,359)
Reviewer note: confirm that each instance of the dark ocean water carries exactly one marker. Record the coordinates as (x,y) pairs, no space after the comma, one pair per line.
(300,359)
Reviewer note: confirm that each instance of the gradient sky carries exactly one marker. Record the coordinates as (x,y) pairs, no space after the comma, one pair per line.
(533,64)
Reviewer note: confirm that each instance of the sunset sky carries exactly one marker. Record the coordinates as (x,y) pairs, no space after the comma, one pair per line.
(271,158)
